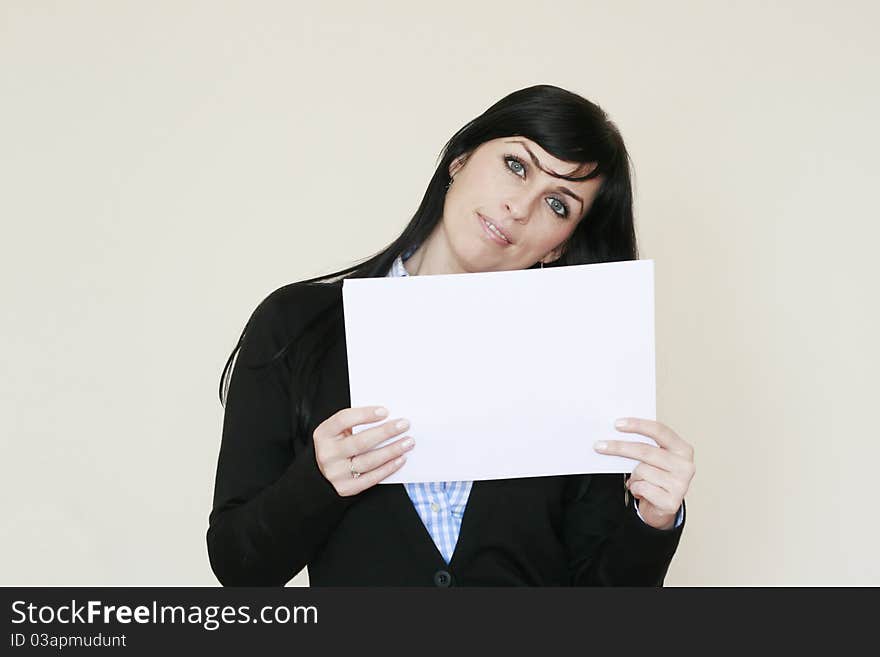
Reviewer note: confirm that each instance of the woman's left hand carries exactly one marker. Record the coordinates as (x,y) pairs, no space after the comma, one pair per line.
(661,480)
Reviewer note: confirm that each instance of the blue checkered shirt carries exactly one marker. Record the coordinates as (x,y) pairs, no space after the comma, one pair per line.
(440,504)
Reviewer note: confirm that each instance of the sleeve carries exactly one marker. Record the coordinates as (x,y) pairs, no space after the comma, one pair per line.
(607,543)
(679,517)
(272,508)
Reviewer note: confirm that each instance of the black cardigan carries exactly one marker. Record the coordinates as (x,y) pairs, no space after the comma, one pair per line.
(274,512)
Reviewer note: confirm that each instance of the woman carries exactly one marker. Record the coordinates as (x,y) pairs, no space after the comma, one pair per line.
(540,179)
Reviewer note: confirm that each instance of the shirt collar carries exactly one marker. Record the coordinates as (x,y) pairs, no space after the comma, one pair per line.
(397,268)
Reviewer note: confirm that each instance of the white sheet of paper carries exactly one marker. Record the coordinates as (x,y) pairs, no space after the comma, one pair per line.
(505,374)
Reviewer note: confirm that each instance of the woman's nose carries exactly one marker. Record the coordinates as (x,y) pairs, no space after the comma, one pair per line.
(517,208)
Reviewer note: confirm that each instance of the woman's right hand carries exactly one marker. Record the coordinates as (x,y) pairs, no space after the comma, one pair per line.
(348,461)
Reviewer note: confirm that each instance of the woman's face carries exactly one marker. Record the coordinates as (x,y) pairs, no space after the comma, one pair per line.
(502,183)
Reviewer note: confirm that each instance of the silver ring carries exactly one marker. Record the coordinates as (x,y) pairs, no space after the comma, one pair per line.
(354,473)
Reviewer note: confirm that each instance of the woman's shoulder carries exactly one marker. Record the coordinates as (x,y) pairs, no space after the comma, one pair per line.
(295,304)
(305,297)
(283,314)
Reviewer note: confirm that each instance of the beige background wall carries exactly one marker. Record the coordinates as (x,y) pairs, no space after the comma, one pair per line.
(165,165)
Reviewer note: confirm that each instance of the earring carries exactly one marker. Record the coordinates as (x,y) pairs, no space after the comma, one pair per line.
(542,264)
(449,183)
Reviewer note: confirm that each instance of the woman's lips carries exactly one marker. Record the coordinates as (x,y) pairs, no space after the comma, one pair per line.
(491,234)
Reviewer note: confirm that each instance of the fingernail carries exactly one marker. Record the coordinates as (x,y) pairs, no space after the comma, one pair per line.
(400,460)
(381,412)
(622,423)
(407,442)
(403,424)
(600,444)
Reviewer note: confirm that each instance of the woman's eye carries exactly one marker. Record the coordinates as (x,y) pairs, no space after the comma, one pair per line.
(558,206)
(515,165)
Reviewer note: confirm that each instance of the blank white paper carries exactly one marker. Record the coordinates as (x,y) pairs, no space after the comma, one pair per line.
(505,374)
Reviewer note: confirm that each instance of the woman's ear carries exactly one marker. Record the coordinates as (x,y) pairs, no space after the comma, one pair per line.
(457,164)
(555,254)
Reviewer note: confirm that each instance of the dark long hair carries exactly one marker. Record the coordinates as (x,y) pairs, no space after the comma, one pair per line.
(564,124)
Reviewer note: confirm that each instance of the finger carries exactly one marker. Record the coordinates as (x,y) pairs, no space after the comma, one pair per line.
(663,500)
(658,477)
(373,477)
(374,458)
(368,438)
(659,432)
(657,456)
(343,420)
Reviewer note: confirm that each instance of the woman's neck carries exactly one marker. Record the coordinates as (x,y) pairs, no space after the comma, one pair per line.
(433,256)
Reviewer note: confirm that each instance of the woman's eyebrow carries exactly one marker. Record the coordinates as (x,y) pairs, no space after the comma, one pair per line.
(537,163)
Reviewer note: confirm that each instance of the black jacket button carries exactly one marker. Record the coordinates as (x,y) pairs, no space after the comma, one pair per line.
(442,578)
